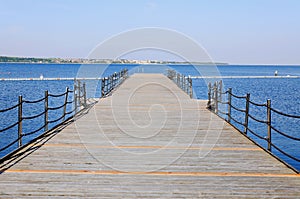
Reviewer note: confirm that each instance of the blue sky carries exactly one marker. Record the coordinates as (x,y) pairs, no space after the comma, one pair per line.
(234,31)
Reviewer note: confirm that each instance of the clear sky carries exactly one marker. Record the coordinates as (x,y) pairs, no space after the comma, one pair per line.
(234,31)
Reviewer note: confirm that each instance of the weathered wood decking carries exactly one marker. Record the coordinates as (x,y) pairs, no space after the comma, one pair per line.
(147,140)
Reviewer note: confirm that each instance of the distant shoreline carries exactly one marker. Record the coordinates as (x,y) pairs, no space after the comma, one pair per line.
(33,60)
(145,64)
(78,61)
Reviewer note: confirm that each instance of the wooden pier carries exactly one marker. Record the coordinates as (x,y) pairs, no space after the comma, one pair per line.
(148,139)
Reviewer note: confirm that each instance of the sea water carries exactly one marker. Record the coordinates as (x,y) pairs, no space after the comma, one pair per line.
(283,92)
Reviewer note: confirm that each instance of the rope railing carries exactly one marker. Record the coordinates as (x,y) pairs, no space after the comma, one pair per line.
(216,98)
(257,104)
(10,108)
(56,120)
(222,102)
(285,153)
(237,109)
(71,102)
(257,120)
(35,131)
(56,108)
(182,81)
(77,101)
(238,97)
(257,135)
(109,83)
(284,134)
(236,121)
(58,95)
(11,144)
(33,102)
(9,127)
(22,117)
(70,112)
(285,114)
(222,112)
(34,116)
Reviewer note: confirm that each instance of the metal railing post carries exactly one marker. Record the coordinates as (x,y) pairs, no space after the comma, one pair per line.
(20,110)
(79,93)
(209,96)
(269,122)
(102,86)
(175,78)
(112,83)
(247,113)
(216,97)
(46,104)
(186,84)
(109,84)
(169,74)
(115,80)
(65,103)
(105,82)
(75,98)
(84,95)
(229,105)
(182,82)
(220,89)
(191,87)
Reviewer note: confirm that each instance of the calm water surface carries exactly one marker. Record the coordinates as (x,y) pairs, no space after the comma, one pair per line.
(284,93)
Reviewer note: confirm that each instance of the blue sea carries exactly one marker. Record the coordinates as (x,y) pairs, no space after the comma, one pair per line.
(283,92)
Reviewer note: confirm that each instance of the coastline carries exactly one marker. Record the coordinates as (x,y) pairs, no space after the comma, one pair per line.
(176,63)
(151,64)
(181,64)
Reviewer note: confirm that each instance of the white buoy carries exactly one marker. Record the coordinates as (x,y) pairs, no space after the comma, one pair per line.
(41,77)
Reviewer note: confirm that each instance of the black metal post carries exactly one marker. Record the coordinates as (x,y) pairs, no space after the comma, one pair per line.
(246,113)
(102,87)
(229,105)
(84,95)
(209,96)
(20,110)
(269,122)
(75,98)
(46,111)
(216,97)
(79,94)
(65,103)
(191,87)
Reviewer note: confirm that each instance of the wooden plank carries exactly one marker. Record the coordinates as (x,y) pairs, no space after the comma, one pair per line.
(147,140)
